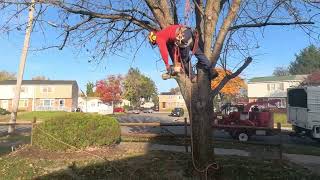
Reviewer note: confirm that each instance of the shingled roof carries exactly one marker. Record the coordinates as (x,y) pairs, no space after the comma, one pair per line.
(278,78)
(38,82)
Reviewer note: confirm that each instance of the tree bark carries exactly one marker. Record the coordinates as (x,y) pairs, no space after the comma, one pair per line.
(200,108)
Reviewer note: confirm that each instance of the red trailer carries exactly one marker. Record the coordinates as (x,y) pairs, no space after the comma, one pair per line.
(250,119)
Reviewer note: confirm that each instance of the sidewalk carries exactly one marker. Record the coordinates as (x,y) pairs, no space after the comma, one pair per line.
(310,162)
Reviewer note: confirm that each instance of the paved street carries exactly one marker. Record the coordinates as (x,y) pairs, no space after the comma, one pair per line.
(164,118)
(20,129)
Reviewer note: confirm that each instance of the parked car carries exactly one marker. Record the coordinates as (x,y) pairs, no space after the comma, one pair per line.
(118,110)
(147,110)
(178,112)
(133,111)
(155,108)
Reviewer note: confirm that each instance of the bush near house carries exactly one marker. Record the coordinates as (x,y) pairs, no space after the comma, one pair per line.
(77,129)
(4,112)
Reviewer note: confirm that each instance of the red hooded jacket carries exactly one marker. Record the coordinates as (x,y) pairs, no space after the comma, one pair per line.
(167,34)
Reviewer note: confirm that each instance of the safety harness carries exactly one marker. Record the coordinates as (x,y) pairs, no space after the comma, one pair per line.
(180,43)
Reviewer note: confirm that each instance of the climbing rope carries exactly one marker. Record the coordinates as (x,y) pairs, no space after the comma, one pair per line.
(60,141)
(211,165)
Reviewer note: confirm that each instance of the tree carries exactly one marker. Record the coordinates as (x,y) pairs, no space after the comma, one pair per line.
(175,90)
(312,79)
(307,61)
(137,86)
(230,91)
(232,88)
(281,71)
(226,29)
(109,90)
(5,75)
(40,78)
(90,89)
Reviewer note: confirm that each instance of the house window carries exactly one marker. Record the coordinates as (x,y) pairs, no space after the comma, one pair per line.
(23,103)
(61,103)
(47,102)
(163,105)
(281,86)
(268,87)
(47,89)
(93,104)
(273,87)
(99,104)
(24,90)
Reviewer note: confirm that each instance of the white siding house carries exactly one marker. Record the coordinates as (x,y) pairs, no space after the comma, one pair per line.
(94,105)
(272,87)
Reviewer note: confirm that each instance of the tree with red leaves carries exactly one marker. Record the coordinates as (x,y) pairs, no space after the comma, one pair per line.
(312,79)
(110,89)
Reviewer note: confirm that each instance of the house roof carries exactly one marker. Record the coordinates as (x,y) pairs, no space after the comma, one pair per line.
(278,78)
(39,82)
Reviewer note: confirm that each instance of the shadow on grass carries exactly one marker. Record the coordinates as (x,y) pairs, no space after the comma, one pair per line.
(176,165)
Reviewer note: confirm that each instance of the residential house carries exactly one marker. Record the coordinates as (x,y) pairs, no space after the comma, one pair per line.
(168,101)
(272,87)
(94,105)
(40,95)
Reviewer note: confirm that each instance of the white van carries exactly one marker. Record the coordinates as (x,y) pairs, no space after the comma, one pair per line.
(304,110)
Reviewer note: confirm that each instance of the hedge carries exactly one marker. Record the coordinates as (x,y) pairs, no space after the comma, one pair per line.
(77,129)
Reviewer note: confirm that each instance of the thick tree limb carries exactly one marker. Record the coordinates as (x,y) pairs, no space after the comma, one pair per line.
(212,12)
(228,77)
(224,30)
(199,19)
(257,25)
(160,10)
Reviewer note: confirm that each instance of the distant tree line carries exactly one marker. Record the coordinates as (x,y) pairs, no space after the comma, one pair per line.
(306,62)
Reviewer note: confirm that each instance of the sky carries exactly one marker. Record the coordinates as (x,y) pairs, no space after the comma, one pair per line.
(278,47)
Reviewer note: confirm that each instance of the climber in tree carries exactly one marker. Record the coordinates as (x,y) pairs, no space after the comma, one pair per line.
(181,39)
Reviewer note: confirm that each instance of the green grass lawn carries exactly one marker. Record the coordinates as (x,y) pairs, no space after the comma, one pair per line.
(147,165)
(40,115)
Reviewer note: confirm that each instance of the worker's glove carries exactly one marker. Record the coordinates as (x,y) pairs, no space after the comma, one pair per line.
(168,67)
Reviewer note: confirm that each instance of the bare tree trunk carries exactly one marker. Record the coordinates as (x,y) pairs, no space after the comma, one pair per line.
(21,69)
(200,107)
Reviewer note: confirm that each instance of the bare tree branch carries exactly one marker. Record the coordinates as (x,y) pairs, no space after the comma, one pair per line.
(224,30)
(228,77)
(257,25)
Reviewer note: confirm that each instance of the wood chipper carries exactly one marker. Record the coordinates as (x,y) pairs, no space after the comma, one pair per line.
(246,120)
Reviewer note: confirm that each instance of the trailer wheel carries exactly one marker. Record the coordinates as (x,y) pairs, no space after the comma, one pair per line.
(243,136)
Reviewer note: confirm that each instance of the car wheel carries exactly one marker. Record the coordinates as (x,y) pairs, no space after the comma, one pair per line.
(243,136)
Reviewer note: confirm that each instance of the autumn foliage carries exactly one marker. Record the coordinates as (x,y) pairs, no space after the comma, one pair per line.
(312,79)
(232,88)
(109,90)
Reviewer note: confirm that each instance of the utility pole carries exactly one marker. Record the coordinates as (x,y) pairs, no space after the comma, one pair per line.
(23,58)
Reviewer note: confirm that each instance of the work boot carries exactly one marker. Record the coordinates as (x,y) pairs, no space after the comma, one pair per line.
(213,74)
(166,76)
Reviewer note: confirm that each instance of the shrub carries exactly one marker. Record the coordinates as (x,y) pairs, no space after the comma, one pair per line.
(4,112)
(77,129)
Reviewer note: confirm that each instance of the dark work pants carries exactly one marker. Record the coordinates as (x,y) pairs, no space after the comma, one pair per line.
(203,61)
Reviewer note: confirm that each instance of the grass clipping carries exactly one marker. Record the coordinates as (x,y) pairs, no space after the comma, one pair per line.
(78,130)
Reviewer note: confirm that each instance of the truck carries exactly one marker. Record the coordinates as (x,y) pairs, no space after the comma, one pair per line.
(242,121)
(304,111)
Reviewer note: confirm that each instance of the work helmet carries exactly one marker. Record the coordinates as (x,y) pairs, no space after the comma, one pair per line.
(152,37)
